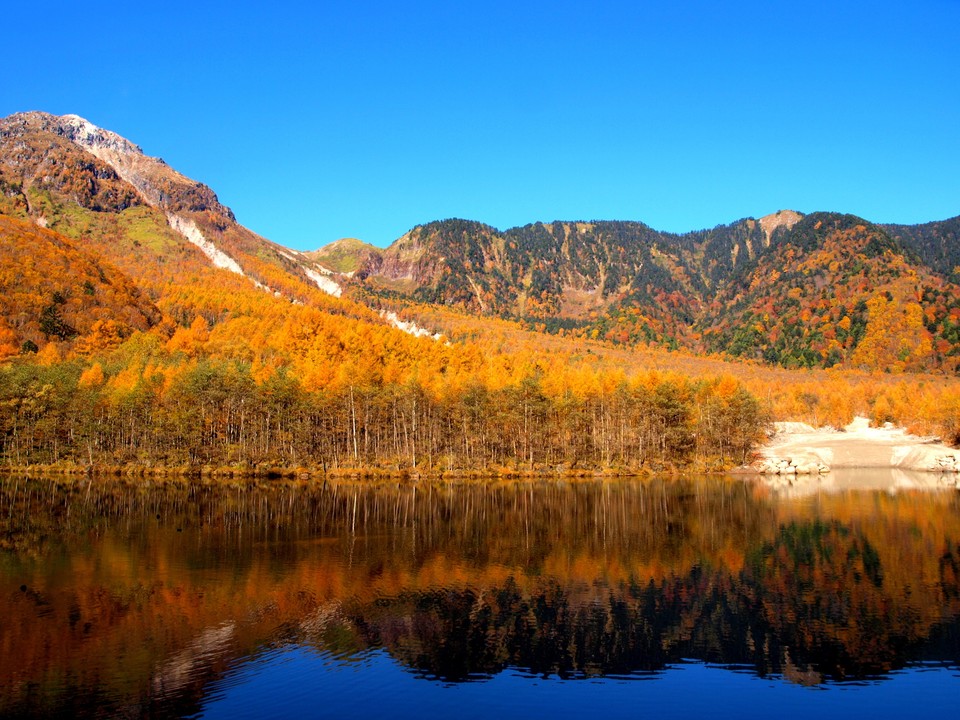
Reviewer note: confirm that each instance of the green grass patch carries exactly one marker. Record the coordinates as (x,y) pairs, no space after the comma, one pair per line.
(343,256)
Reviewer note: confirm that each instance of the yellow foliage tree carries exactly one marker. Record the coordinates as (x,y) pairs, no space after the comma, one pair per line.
(92,376)
(895,338)
(8,340)
(190,341)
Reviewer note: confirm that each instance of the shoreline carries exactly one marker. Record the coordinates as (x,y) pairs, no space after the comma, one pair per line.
(228,474)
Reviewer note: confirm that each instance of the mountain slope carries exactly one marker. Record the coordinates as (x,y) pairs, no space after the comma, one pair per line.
(559,274)
(242,359)
(167,334)
(937,244)
(783,288)
(90,183)
(223,290)
(835,289)
(52,291)
(786,289)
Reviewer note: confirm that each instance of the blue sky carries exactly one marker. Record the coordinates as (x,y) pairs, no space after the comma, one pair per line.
(316,121)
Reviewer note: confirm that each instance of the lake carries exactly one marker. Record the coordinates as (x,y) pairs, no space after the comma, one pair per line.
(680,598)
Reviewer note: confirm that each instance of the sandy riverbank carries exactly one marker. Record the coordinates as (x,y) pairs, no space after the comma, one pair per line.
(856,446)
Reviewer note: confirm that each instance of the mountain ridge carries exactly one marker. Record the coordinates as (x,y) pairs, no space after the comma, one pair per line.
(49,161)
(626,282)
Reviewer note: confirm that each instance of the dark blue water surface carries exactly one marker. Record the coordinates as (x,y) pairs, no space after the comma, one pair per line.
(304,683)
(678,598)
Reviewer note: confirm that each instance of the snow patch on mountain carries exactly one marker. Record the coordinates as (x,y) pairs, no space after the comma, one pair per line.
(323,282)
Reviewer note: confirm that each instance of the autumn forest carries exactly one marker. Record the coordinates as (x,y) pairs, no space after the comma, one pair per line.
(142,329)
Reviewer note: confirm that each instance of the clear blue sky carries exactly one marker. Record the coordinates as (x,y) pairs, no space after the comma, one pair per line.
(315,121)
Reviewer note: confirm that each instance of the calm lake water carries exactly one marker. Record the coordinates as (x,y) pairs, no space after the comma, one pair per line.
(711,597)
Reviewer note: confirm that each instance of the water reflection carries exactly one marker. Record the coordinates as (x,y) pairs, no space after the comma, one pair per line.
(137,600)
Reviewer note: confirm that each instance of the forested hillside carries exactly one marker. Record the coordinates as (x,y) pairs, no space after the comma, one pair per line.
(53,292)
(815,291)
(936,243)
(142,328)
(146,329)
(832,290)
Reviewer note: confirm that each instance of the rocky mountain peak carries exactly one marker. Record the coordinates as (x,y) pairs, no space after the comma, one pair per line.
(155,182)
(74,128)
(781,218)
(84,133)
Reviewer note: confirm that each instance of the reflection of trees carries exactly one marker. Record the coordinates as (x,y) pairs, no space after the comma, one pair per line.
(457,635)
(813,598)
(462,580)
(819,587)
(543,527)
(950,571)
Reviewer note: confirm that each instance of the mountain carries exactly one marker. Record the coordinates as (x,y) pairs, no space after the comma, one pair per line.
(86,182)
(836,289)
(80,203)
(785,288)
(815,290)
(141,327)
(343,256)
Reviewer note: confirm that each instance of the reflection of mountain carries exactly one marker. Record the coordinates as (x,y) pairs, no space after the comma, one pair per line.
(144,596)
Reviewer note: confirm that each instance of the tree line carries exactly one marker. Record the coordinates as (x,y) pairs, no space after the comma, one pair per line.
(214,413)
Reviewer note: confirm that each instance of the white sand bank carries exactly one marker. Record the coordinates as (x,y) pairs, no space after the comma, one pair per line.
(856,446)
